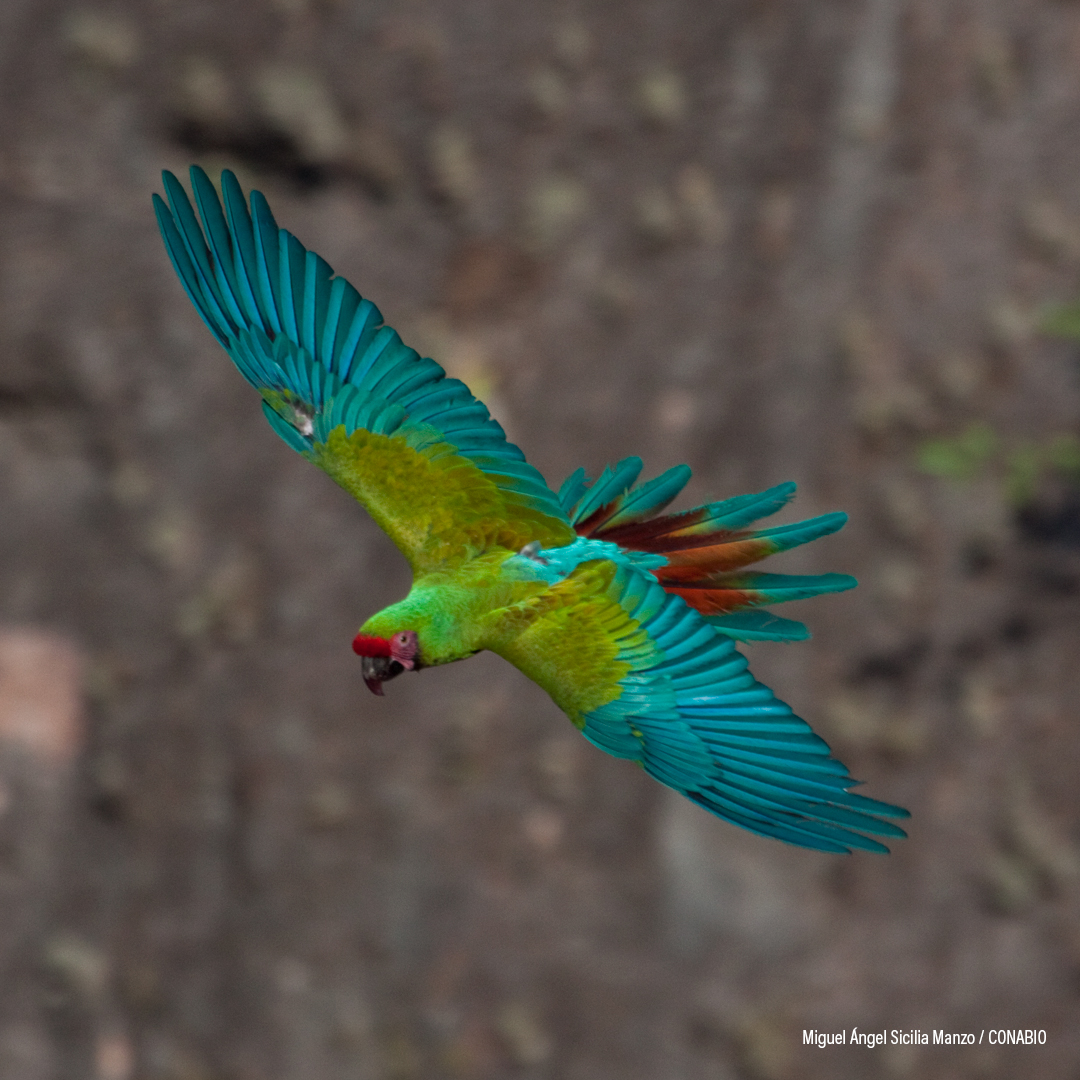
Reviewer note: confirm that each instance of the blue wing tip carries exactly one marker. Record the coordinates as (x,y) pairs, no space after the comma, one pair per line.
(842,582)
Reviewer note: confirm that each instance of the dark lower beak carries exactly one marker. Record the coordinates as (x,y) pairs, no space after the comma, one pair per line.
(377,669)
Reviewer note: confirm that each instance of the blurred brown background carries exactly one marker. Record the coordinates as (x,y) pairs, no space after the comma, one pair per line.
(778,240)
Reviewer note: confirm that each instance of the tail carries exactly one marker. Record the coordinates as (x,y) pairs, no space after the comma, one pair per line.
(707,547)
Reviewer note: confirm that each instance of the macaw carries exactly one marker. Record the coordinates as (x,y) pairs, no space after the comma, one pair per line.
(626,616)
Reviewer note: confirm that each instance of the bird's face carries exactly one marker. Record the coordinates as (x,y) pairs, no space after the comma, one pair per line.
(386,658)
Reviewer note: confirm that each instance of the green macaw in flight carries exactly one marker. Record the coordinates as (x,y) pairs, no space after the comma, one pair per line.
(626,616)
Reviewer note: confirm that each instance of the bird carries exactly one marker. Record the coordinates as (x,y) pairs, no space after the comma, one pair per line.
(630,618)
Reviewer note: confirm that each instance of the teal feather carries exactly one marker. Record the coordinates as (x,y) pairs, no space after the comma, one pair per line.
(365,323)
(757,625)
(290,281)
(245,263)
(742,510)
(785,537)
(199,255)
(336,305)
(266,258)
(781,588)
(184,266)
(573,488)
(217,232)
(613,482)
(650,498)
(317,274)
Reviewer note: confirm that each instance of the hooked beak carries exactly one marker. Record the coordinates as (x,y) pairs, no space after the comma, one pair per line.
(378,669)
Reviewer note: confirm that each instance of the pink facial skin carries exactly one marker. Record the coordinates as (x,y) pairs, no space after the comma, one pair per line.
(383,659)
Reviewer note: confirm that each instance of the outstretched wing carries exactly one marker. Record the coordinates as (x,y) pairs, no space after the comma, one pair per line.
(706,548)
(415,447)
(645,677)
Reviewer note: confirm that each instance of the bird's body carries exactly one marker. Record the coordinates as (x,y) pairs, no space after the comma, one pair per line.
(626,616)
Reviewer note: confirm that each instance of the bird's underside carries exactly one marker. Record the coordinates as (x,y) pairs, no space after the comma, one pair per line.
(626,615)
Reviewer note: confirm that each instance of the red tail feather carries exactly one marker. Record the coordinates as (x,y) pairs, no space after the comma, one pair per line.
(694,559)
(713,601)
(638,535)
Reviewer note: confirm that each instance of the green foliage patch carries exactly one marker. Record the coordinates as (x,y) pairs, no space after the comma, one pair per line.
(979,451)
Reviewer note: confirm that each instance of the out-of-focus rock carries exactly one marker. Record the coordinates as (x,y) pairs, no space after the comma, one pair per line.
(329,805)
(549,92)
(1010,882)
(776,221)
(905,507)
(174,540)
(140,985)
(131,484)
(105,39)
(900,1061)
(996,70)
(401,1058)
(961,374)
(1011,322)
(898,579)
(299,101)
(884,397)
(975,511)
(229,601)
(573,44)
(701,204)
(455,171)
(26,1051)
(720,882)
(764,1046)
(173,1060)
(41,687)
(1052,231)
(983,702)
(206,95)
(656,216)
(556,203)
(1038,839)
(375,156)
(114,1056)
(543,828)
(559,766)
(110,780)
(484,277)
(661,96)
(81,966)
(614,296)
(677,411)
(868,720)
(524,1034)
(474,1051)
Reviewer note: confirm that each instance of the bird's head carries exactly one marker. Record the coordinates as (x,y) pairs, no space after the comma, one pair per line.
(385,658)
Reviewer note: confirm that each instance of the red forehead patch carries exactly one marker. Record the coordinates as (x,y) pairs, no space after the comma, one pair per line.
(370,646)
